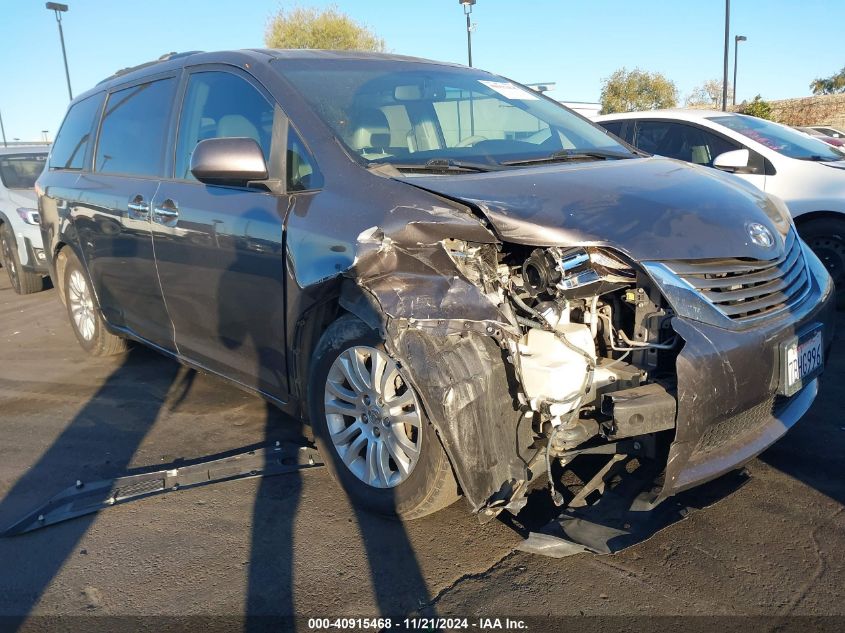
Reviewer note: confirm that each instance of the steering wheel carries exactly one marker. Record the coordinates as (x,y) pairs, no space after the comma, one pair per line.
(469,141)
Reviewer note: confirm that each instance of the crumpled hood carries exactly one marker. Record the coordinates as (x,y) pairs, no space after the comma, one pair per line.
(651,208)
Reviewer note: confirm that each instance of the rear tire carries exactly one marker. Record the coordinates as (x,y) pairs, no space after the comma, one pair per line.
(24,282)
(826,236)
(84,314)
(411,475)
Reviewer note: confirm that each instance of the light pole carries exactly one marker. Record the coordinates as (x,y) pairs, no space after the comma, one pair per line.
(727,49)
(737,40)
(467,5)
(3,130)
(59,9)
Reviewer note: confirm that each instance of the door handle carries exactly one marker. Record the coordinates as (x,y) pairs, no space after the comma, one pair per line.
(138,209)
(167,213)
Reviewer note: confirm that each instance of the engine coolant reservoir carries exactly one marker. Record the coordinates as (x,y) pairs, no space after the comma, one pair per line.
(550,370)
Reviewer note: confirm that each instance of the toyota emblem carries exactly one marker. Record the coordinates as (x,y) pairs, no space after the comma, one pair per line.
(760,235)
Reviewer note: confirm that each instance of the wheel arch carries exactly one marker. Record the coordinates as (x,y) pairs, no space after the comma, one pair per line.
(810,216)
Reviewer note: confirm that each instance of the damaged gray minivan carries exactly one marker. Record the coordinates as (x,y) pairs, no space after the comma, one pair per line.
(464,287)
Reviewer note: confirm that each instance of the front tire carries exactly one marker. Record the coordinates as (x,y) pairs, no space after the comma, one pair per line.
(86,320)
(24,282)
(826,236)
(368,423)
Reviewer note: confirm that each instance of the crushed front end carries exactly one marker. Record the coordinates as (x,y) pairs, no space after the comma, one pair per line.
(541,362)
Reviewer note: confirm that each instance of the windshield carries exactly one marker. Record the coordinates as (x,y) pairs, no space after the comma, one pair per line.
(408,113)
(779,138)
(20,171)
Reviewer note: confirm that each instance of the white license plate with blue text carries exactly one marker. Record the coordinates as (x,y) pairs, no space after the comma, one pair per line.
(804,360)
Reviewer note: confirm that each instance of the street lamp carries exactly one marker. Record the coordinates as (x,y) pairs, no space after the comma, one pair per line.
(467,5)
(737,40)
(59,9)
(727,50)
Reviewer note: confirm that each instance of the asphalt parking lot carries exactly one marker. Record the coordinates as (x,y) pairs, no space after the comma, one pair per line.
(292,544)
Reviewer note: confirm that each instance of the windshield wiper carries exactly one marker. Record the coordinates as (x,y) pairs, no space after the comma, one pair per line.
(823,159)
(440,165)
(572,154)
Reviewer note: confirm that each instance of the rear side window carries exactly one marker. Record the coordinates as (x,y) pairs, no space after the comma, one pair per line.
(134,129)
(72,141)
(614,127)
(221,105)
(678,140)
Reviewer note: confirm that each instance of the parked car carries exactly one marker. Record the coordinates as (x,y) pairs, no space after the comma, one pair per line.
(830,140)
(455,280)
(806,173)
(21,252)
(829,131)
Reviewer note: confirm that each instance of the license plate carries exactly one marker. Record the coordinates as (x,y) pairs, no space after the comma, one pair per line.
(802,360)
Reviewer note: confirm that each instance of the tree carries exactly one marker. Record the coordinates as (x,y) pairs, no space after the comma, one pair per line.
(758,107)
(831,85)
(626,91)
(708,94)
(326,28)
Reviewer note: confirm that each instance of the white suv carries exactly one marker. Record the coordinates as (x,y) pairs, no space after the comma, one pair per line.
(808,174)
(21,250)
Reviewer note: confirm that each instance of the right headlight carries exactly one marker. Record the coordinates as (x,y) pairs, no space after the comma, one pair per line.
(779,213)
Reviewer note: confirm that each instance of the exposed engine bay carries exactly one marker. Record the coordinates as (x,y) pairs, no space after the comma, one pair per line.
(593,350)
(596,358)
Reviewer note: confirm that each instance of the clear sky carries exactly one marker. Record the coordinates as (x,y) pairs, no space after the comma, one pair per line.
(572,42)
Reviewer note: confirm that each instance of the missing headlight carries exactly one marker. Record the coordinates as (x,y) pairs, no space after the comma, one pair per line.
(567,271)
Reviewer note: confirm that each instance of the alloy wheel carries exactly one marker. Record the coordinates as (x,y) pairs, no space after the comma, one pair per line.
(373,417)
(81,305)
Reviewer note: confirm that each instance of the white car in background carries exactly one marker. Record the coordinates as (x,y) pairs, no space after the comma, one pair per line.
(808,174)
(21,247)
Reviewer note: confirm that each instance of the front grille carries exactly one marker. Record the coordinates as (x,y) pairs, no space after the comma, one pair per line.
(745,289)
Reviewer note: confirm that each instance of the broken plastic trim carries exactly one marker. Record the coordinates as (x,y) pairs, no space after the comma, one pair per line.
(623,517)
(90,497)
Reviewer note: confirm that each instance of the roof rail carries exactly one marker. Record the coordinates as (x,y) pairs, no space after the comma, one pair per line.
(163,58)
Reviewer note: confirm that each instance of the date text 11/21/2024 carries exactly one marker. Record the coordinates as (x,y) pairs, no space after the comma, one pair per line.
(419,624)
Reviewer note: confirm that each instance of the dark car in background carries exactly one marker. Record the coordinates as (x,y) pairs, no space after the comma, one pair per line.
(828,131)
(455,280)
(822,136)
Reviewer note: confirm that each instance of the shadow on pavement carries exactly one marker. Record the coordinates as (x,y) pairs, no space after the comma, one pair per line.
(106,432)
(397,581)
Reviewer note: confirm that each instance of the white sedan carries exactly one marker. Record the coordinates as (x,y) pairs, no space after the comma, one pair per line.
(808,174)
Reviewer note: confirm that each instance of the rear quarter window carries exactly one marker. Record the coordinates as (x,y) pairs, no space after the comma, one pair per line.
(74,136)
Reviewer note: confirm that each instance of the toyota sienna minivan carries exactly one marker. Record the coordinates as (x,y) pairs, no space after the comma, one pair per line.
(456,281)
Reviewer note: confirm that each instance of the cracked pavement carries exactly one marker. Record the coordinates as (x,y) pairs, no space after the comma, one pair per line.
(293,543)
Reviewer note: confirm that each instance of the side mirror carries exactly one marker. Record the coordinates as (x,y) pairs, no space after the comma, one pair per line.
(228,161)
(732,161)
